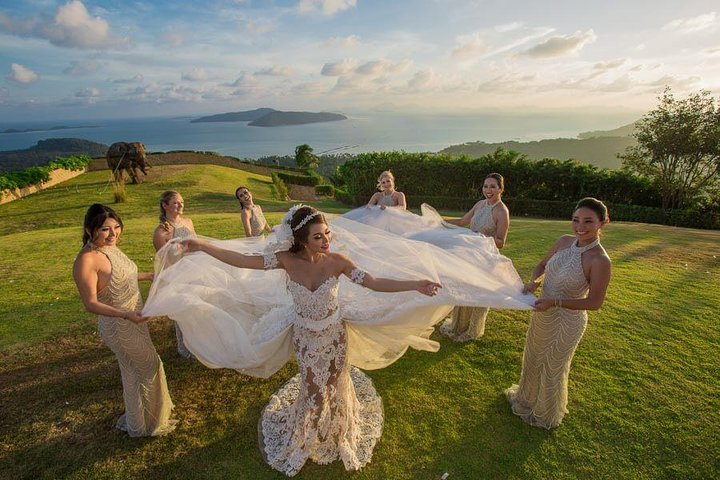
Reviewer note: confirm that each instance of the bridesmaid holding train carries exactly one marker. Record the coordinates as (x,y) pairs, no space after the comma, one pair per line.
(107,281)
(173,225)
(576,274)
(490,217)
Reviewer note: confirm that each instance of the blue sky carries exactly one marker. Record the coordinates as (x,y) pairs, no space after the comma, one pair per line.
(91,59)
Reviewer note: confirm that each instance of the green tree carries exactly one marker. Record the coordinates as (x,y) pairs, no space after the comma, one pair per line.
(305,158)
(678,148)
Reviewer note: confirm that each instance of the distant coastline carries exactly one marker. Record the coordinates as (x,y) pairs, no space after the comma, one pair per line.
(49,129)
(268,117)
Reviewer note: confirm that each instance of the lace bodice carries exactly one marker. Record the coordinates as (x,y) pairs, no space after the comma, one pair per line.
(257,221)
(564,276)
(315,309)
(122,291)
(482,221)
(387,200)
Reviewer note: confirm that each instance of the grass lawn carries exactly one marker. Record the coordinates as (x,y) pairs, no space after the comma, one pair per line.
(644,389)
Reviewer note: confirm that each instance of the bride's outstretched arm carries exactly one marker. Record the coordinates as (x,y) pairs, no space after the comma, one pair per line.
(230,257)
(426,287)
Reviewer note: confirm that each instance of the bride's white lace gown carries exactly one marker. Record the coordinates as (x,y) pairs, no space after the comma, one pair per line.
(323,413)
(542,395)
(254,321)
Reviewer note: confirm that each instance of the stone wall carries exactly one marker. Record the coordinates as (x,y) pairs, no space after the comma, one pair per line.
(56,176)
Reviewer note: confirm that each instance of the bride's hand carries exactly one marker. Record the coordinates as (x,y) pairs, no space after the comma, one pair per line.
(191,245)
(428,287)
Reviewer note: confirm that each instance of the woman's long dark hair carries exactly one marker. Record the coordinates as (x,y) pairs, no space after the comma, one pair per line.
(94,219)
(301,235)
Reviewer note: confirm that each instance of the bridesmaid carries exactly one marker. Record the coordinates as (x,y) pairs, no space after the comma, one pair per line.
(107,281)
(251,215)
(491,218)
(173,225)
(577,274)
(387,196)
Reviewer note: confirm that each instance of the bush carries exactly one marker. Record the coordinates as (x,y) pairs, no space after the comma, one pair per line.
(119,192)
(281,190)
(304,180)
(326,190)
(430,175)
(40,175)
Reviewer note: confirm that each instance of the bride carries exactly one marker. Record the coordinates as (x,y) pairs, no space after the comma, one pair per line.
(239,318)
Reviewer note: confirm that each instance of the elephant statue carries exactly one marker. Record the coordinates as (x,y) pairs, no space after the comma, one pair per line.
(127,156)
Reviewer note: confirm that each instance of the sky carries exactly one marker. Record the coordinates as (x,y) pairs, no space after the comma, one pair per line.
(106,59)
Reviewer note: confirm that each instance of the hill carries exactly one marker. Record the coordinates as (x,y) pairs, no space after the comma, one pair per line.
(600,151)
(245,116)
(47,150)
(277,119)
(624,131)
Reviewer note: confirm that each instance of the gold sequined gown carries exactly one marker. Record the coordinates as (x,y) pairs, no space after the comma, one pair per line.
(541,397)
(147,401)
(258,224)
(468,323)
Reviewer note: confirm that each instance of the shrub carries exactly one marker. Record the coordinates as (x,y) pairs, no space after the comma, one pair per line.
(281,190)
(304,180)
(39,175)
(326,190)
(119,192)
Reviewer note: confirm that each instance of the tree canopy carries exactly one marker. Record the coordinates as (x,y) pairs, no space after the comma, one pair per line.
(305,158)
(678,148)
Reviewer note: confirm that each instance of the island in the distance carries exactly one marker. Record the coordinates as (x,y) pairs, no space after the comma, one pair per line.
(48,129)
(269,117)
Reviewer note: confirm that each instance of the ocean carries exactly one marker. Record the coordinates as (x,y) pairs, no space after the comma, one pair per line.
(359,133)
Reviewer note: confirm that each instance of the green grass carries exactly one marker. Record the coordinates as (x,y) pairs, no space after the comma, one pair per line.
(644,389)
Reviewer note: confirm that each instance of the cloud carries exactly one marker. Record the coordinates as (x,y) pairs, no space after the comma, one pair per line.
(693,24)
(327,7)
(88,93)
(622,83)
(336,69)
(675,81)
(21,74)
(506,83)
(72,26)
(469,46)
(136,79)
(422,79)
(509,27)
(276,71)
(196,75)
(382,66)
(560,45)
(609,65)
(172,39)
(351,41)
(78,68)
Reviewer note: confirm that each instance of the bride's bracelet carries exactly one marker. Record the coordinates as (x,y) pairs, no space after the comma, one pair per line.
(557,302)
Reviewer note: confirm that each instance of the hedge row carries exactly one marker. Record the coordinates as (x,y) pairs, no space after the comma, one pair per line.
(427,174)
(563,209)
(40,175)
(304,180)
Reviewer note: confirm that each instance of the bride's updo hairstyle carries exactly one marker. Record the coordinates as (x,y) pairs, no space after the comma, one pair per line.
(596,206)
(94,219)
(300,235)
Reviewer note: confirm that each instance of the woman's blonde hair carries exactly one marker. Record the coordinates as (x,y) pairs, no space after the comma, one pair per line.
(165,198)
(388,174)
